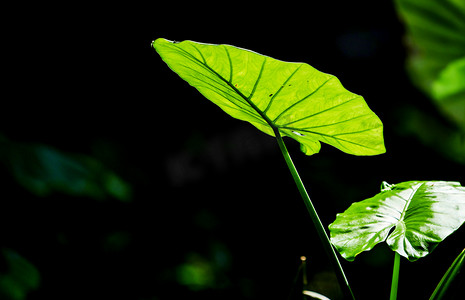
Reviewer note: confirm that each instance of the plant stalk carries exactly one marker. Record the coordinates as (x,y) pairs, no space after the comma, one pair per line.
(395,277)
(448,277)
(343,282)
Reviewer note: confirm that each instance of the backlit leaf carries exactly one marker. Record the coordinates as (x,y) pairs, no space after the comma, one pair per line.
(294,99)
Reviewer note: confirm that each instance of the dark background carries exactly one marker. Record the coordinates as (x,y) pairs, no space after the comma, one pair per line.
(213,211)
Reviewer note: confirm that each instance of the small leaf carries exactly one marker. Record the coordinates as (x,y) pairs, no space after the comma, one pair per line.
(421,214)
(293,98)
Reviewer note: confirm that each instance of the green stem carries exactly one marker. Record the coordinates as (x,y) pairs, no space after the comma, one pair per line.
(347,292)
(395,277)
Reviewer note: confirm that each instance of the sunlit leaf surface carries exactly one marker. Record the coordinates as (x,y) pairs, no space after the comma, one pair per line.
(293,98)
(420,214)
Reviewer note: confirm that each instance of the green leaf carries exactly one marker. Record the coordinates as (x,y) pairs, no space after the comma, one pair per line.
(449,91)
(449,277)
(451,80)
(421,214)
(435,32)
(294,99)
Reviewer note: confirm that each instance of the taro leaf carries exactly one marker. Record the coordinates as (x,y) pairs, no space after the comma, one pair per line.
(293,99)
(421,214)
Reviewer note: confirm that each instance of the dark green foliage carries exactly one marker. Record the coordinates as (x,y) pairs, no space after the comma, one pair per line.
(435,31)
(44,170)
(17,275)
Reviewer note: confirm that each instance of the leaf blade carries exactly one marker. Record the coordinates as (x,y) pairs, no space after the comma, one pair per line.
(273,94)
(422,213)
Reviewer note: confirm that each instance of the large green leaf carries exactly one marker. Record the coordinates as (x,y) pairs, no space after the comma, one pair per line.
(421,214)
(293,99)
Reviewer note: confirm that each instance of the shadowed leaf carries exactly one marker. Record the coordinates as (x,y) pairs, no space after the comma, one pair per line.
(421,214)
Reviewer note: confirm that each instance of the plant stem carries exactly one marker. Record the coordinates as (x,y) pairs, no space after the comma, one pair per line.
(448,277)
(395,277)
(347,292)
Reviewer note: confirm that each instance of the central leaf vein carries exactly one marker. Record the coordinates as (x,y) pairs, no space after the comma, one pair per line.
(204,63)
(409,201)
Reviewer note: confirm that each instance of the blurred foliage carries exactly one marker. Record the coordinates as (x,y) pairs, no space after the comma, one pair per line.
(435,35)
(17,276)
(432,132)
(43,170)
(205,271)
(197,273)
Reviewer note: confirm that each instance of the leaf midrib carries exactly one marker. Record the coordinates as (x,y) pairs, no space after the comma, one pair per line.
(229,83)
(408,202)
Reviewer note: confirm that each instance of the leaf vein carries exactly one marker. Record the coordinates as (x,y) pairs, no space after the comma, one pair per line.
(337,123)
(200,53)
(230,64)
(320,112)
(258,79)
(299,101)
(338,140)
(280,89)
(354,132)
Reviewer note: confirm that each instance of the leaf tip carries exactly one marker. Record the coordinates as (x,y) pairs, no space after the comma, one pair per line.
(159,41)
